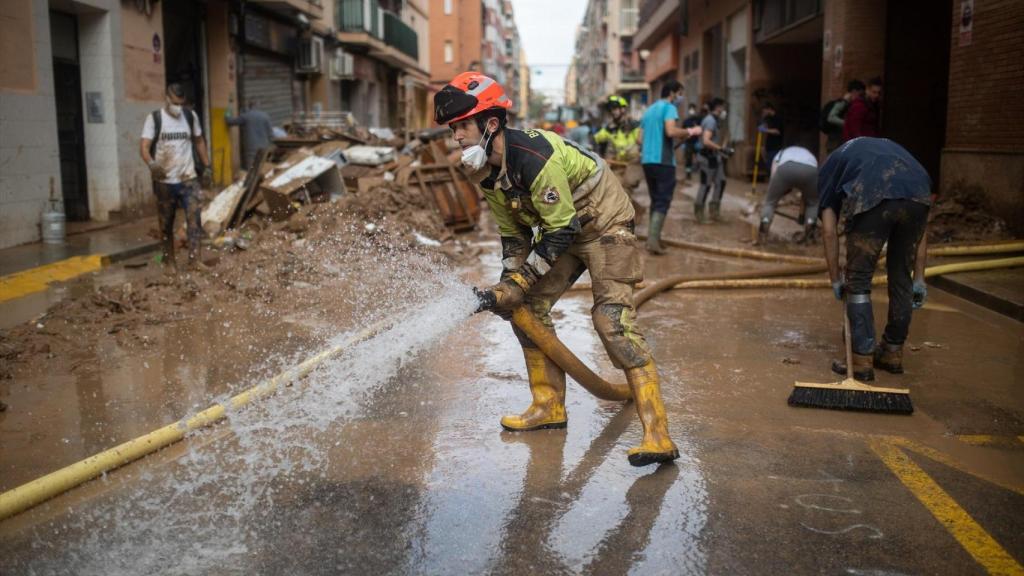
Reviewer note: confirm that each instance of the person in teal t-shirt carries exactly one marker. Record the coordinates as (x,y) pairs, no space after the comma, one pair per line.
(658,127)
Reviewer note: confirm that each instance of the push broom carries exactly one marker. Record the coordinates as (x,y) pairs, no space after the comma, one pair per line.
(851,394)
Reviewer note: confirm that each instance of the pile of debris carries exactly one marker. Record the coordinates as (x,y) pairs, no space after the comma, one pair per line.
(964,214)
(321,164)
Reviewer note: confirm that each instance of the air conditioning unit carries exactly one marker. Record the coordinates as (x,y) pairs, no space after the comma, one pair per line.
(342,65)
(311,56)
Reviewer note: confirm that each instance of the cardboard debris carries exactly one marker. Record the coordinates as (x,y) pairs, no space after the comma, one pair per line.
(219,211)
(303,172)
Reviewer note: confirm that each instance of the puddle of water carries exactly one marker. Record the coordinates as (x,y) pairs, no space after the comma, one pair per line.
(219,504)
(209,510)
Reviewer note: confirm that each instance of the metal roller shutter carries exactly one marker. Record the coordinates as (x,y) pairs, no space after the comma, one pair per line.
(268,79)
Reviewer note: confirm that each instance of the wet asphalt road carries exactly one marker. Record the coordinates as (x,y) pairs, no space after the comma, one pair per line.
(415,475)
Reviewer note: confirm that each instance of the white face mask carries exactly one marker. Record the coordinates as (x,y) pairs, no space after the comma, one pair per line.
(173,109)
(475,156)
(722,115)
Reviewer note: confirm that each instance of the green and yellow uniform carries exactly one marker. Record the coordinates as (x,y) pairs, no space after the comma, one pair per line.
(623,138)
(560,212)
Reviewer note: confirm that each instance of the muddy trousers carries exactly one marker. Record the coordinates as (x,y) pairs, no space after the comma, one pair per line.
(901,223)
(169,197)
(661,185)
(615,266)
(712,176)
(788,176)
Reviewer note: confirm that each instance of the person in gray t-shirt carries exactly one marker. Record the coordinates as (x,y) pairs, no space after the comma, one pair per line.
(711,162)
(257,132)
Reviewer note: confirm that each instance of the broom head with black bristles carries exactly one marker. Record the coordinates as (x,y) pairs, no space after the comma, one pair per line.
(851,394)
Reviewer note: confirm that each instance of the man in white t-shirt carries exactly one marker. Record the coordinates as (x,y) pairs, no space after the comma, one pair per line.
(792,167)
(172,139)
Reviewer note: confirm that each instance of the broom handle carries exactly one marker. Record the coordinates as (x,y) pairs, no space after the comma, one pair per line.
(849,344)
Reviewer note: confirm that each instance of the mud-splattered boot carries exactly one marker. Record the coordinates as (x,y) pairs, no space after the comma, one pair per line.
(656,445)
(889,357)
(810,233)
(762,232)
(654,233)
(715,209)
(862,367)
(698,213)
(547,384)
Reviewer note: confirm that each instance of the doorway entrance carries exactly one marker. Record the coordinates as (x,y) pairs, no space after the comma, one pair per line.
(67,90)
(916,91)
(736,76)
(185,52)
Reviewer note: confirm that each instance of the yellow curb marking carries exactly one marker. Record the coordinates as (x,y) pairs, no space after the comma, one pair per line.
(991,440)
(36,279)
(974,539)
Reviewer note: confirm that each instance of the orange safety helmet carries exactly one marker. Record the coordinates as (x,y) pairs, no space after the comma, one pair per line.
(468,94)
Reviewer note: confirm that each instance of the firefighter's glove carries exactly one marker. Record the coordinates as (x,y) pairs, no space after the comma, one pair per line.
(502,297)
(838,287)
(920,293)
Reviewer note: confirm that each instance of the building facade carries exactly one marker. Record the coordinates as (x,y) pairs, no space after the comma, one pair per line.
(951,72)
(78,78)
(606,62)
(477,35)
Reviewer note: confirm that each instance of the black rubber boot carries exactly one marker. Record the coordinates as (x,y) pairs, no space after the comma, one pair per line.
(715,208)
(654,233)
(698,213)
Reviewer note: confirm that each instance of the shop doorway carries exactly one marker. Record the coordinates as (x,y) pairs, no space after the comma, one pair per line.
(916,91)
(67,90)
(185,52)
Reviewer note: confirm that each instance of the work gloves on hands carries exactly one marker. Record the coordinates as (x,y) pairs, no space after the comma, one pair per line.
(502,297)
(838,288)
(920,293)
(206,178)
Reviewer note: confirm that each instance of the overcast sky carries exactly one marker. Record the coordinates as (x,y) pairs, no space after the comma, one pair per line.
(547,29)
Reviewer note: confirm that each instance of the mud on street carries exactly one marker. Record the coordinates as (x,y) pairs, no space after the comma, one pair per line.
(389,457)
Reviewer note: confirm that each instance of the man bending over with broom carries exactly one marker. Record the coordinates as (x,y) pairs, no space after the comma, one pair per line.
(883,195)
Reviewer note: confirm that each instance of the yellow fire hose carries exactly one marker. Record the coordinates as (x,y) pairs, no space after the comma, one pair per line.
(961,250)
(929,272)
(41,489)
(977,250)
(739,252)
(548,342)
(677,281)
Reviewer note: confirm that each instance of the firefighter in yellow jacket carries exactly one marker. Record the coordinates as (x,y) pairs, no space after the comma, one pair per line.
(619,142)
(535,180)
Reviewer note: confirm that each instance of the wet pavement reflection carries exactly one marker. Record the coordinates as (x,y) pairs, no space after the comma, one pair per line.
(391,460)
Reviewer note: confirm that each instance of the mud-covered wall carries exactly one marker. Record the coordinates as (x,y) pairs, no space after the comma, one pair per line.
(29,158)
(142,89)
(984,150)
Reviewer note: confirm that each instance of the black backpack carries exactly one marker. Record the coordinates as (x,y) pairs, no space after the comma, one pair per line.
(823,123)
(158,122)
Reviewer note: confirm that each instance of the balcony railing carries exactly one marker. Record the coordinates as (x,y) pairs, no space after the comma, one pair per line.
(360,16)
(632,75)
(367,16)
(401,35)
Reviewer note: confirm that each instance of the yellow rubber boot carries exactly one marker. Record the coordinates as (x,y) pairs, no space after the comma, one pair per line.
(656,445)
(547,384)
